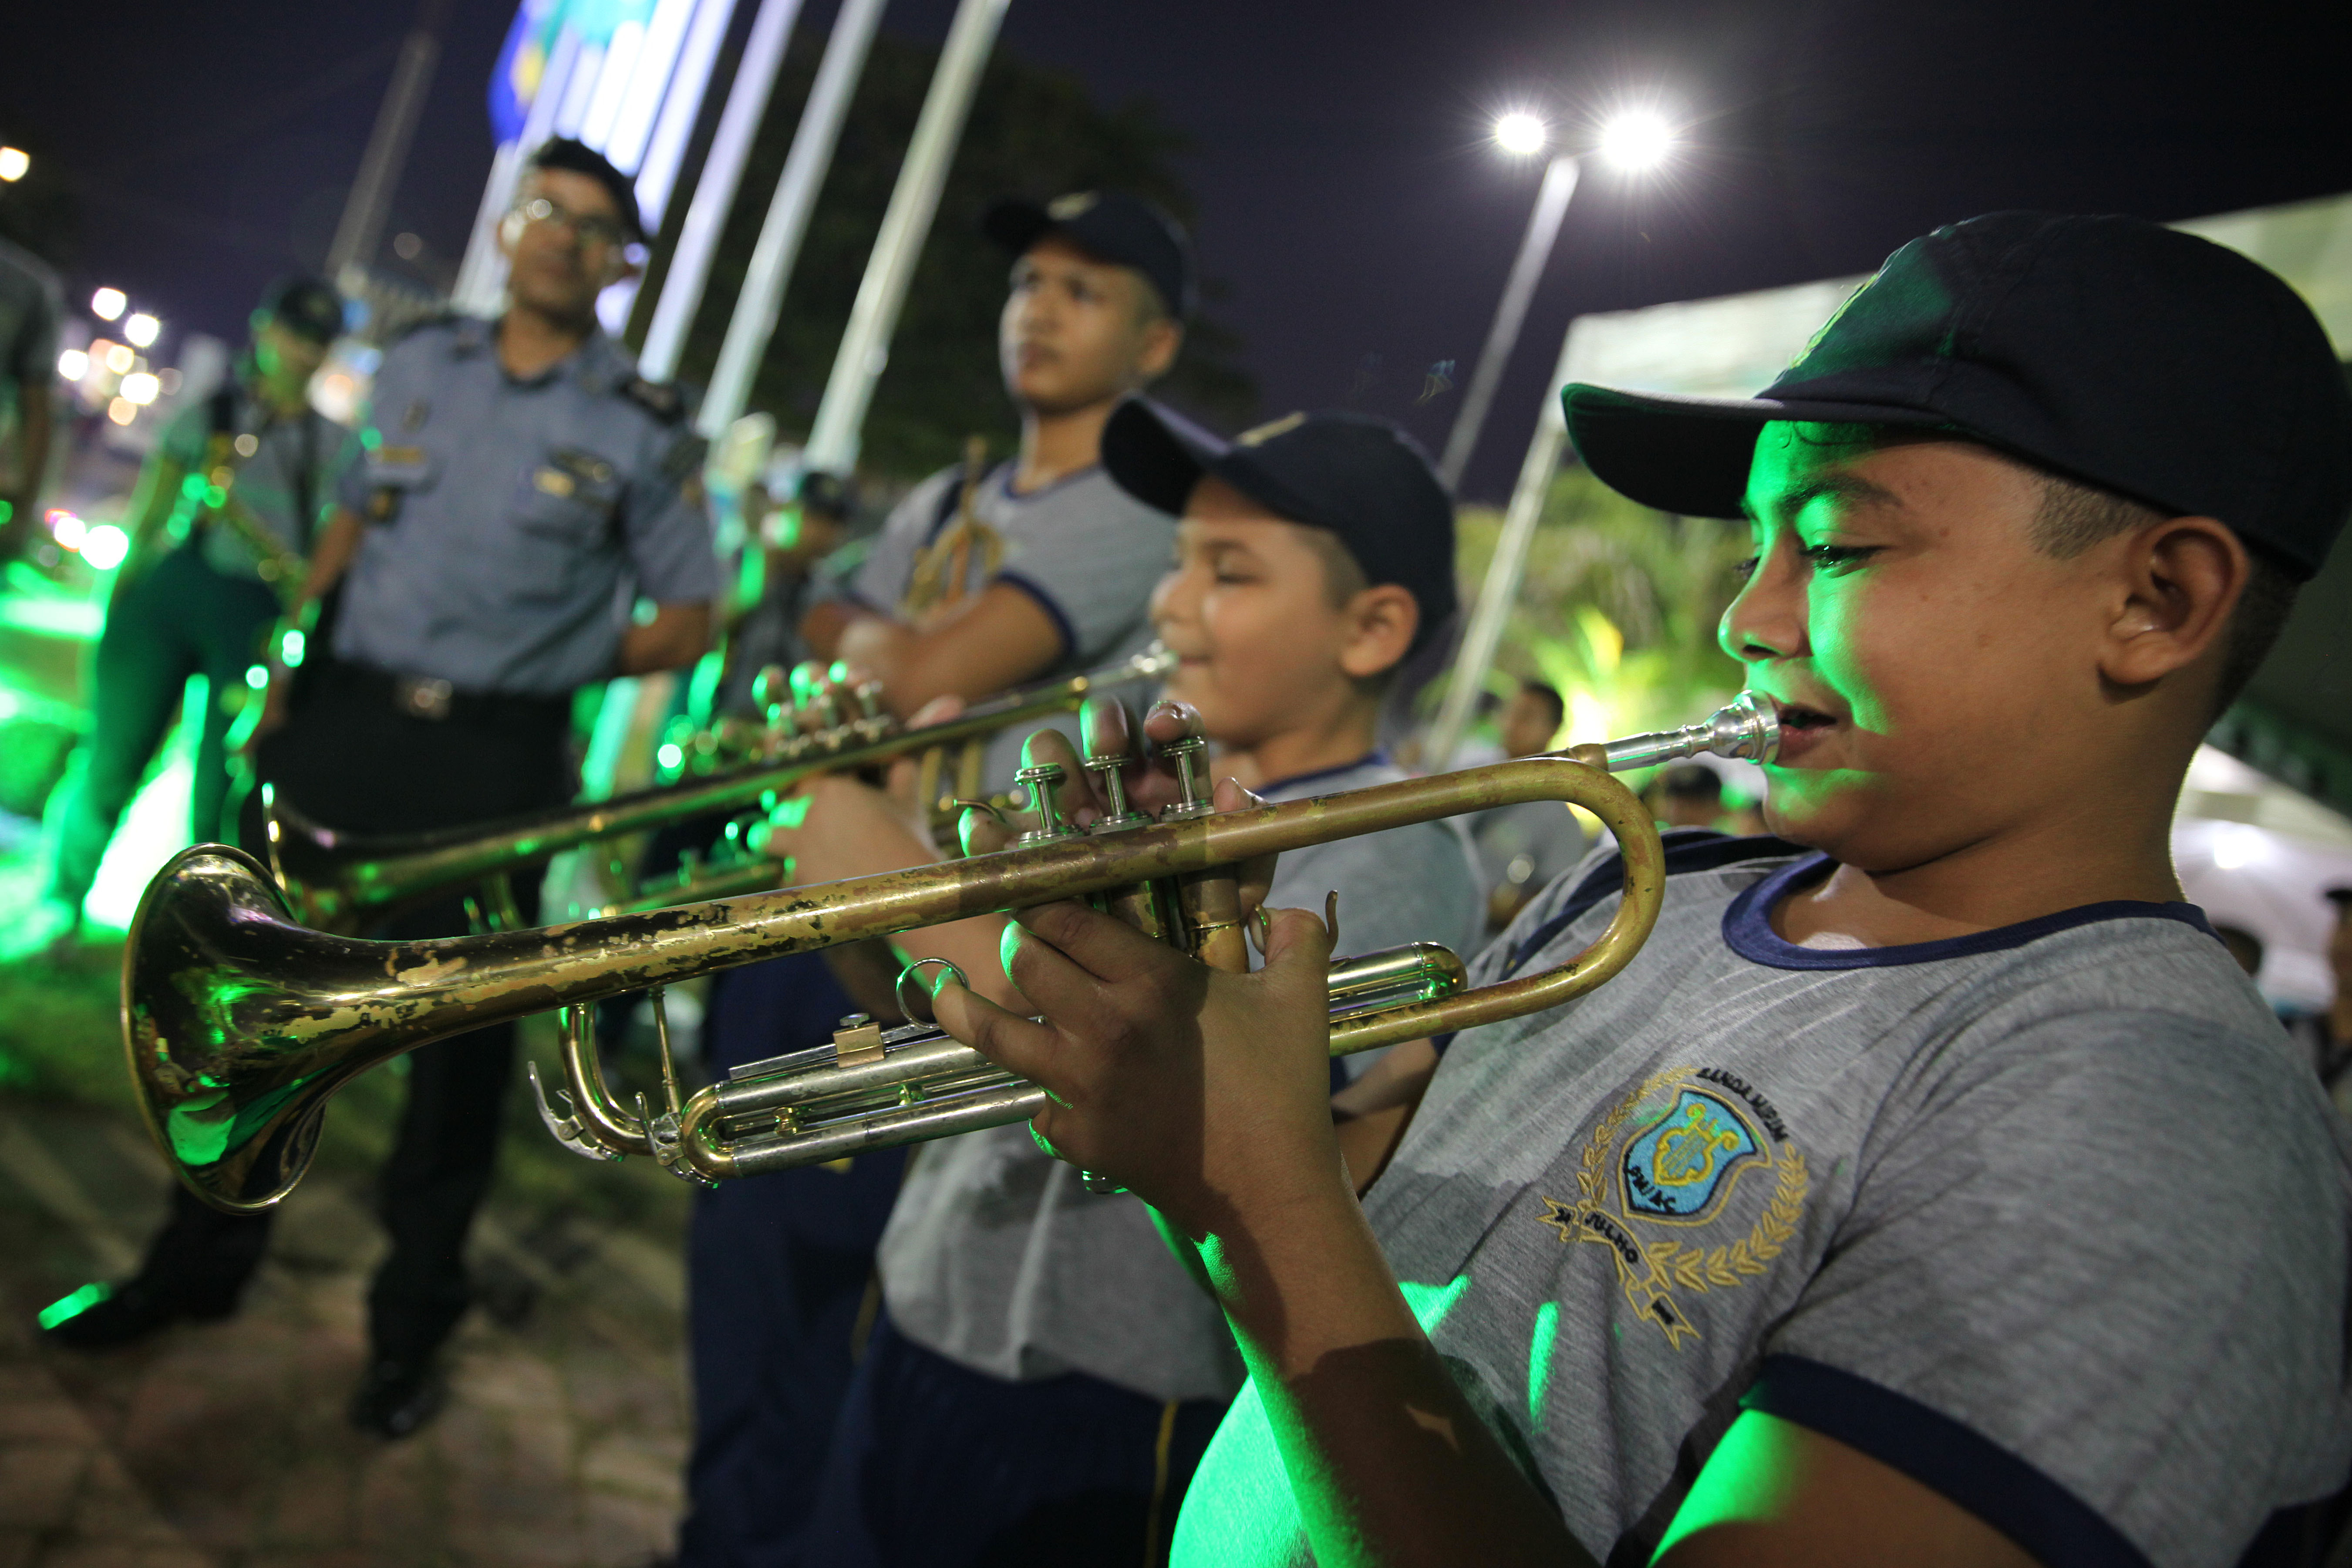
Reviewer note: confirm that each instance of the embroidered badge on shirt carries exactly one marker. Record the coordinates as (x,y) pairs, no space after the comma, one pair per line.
(1668,1160)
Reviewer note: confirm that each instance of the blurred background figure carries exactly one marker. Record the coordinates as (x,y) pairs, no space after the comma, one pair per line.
(32,310)
(794,539)
(191,598)
(521,487)
(1522,847)
(2328,1036)
(2244,946)
(1687,795)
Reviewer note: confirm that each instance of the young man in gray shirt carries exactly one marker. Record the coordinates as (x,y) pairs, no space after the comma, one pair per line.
(1933,1187)
(1047,575)
(1047,1371)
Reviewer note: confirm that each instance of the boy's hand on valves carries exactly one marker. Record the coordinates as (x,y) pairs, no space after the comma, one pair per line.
(1206,1093)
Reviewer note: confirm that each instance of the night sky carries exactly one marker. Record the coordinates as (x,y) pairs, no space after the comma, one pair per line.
(1350,205)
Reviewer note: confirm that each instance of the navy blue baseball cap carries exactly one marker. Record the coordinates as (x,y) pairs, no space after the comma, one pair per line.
(1356,475)
(308,307)
(2111,350)
(1124,230)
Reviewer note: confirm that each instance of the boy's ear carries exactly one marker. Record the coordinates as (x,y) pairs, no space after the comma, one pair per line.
(2183,578)
(1162,339)
(1381,623)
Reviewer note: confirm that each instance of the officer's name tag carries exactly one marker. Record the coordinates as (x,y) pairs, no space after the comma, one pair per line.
(403,465)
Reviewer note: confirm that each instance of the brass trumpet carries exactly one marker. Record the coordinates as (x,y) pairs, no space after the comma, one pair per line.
(340,881)
(240,1023)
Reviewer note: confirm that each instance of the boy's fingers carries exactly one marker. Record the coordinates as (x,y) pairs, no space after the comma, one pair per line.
(1107,949)
(982,833)
(1014,1043)
(1255,875)
(938,711)
(1071,998)
(1297,945)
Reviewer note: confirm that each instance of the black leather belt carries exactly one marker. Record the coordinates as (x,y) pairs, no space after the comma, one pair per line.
(440,701)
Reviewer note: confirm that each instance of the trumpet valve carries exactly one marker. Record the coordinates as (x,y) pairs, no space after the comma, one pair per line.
(1103,732)
(1194,797)
(1044,782)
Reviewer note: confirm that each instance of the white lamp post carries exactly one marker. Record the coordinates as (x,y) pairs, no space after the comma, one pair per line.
(1634,142)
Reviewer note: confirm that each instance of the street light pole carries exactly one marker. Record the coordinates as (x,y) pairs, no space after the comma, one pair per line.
(1543,227)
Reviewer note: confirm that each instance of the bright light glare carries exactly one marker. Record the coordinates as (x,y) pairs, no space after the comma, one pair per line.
(140,388)
(122,411)
(73,364)
(1520,134)
(2237,845)
(67,528)
(142,328)
(108,303)
(13,164)
(121,359)
(105,546)
(1637,141)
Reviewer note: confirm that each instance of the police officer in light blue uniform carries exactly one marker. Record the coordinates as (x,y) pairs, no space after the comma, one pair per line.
(518,488)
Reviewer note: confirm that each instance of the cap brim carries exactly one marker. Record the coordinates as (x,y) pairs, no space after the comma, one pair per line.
(1015,224)
(1157,456)
(1690,456)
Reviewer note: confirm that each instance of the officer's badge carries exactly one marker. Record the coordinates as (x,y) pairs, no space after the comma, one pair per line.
(413,417)
(1673,1157)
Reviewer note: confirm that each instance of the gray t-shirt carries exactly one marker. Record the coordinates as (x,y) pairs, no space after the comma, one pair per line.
(996,1257)
(512,522)
(2049,1217)
(294,456)
(1087,551)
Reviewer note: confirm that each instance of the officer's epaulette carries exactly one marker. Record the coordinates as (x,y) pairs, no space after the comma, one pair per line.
(658,398)
(448,317)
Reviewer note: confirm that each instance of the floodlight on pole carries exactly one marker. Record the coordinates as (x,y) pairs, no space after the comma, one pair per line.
(1520,134)
(1637,141)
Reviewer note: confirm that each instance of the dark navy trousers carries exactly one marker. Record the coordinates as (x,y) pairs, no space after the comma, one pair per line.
(936,1465)
(780,1288)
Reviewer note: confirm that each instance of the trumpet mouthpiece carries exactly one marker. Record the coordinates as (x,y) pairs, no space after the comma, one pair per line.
(1748,727)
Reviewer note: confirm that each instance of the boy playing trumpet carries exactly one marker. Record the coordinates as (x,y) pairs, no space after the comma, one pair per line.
(1932,1188)
(1048,1373)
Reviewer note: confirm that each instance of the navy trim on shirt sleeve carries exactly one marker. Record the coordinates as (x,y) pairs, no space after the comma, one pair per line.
(1981,1475)
(1045,601)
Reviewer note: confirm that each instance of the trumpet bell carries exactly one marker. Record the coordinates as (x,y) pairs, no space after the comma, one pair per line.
(230,1084)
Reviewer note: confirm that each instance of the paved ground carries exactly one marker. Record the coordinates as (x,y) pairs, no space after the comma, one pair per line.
(225,1446)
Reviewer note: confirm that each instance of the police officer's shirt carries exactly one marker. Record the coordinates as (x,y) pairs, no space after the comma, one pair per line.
(513,523)
(1085,550)
(996,1256)
(294,456)
(2051,1218)
(32,310)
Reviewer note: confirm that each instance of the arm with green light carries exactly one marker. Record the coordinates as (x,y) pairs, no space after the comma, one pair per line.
(157,503)
(1206,1093)
(330,556)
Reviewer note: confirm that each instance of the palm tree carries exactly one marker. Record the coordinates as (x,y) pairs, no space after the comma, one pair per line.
(1618,609)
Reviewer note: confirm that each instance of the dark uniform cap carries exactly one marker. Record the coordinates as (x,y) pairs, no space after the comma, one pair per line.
(579,158)
(305,306)
(1361,478)
(828,494)
(2111,350)
(1119,228)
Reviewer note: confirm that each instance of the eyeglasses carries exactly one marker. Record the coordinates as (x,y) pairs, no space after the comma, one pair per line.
(592,230)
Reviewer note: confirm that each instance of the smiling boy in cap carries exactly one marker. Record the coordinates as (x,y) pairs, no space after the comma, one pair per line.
(1933,1186)
(1047,1374)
